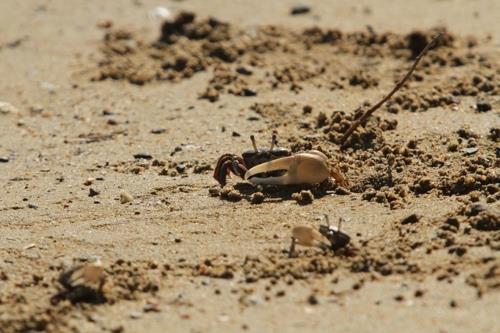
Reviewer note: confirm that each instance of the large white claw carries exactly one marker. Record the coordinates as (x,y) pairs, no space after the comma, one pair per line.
(307,236)
(88,274)
(304,168)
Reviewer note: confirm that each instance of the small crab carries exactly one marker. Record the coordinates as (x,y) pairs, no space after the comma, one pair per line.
(277,166)
(326,237)
(82,282)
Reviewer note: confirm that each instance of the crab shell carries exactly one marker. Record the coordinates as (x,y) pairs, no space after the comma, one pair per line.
(303,168)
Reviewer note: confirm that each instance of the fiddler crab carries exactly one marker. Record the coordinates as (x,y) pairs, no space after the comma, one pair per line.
(327,237)
(82,283)
(277,166)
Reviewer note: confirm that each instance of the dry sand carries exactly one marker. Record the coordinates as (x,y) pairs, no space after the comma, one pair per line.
(94,83)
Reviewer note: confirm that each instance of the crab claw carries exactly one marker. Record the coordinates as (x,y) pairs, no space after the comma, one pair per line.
(91,273)
(307,236)
(303,168)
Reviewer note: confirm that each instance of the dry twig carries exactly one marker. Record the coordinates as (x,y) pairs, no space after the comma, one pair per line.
(398,86)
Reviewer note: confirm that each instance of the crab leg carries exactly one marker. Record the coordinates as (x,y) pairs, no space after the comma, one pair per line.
(227,163)
(220,162)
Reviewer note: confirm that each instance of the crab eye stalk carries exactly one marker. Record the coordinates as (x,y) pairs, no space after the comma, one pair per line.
(273,142)
(327,220)
(252,137)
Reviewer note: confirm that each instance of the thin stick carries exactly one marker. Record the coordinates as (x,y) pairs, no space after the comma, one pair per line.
(398,86)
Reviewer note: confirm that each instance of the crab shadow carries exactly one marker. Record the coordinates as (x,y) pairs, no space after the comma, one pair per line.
(80,294)
(347,252)
(280,193)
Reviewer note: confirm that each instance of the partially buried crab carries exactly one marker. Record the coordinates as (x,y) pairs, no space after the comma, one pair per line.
(327,237)
(82,283)
(277,166)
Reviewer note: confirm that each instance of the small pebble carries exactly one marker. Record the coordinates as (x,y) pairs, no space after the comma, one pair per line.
(117,329)
(229,193)
(307,109)
(51,88)
(143,156)
(29,246)
(234,196)
(425,185)
(214,192)
(158,131)
(257,198)
(453,222)
(300,9)
(135,315)
(380,197)
(4,159)
(104,24)
(243,71)
(92,192)
(36,109)
(125,197)
(223,318)
(6,108)
(483,106)
(410,219)
(247,92)
(163,13)
(470,151)
(452,147)
(202,168)
(157,163)
(176,150)
(342,191)
(152,306)
(313,300)
(412,144)
(181,168)
(303,197)
(475,196)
